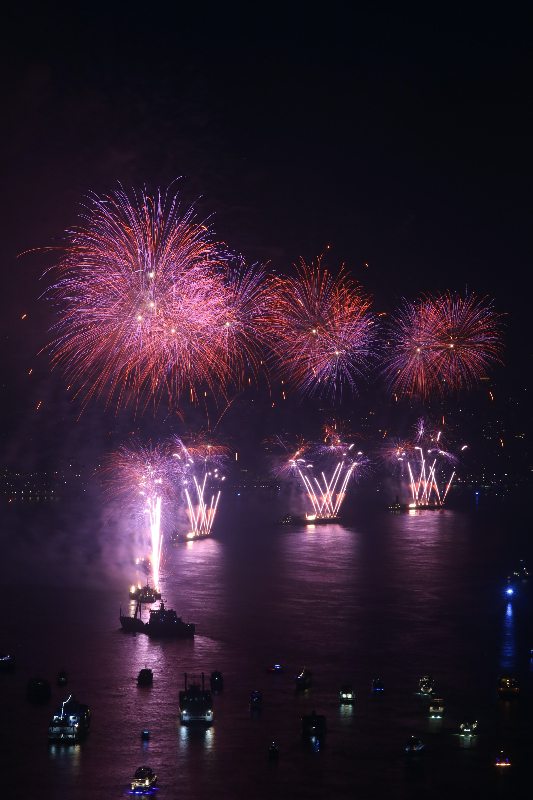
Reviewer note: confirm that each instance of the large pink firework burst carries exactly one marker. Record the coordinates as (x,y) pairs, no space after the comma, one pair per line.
(148,303)
(319,329)
(442,344)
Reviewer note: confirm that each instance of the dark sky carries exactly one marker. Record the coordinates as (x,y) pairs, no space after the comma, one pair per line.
(397,134)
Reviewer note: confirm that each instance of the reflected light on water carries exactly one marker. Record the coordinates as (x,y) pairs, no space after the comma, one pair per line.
(189,734)
(509,643)
(66,755)
(346,712)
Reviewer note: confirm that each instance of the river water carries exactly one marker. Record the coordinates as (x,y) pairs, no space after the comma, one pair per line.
(384,595)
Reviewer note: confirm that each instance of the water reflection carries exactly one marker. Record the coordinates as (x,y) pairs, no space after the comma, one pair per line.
(191,734)
(346,713)
(509,641)
(67,755)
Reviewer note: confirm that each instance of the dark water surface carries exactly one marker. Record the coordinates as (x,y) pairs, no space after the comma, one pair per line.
(389,596)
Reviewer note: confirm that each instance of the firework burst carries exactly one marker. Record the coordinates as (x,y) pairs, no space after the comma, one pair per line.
(441,344)
(319,329)
(150,304)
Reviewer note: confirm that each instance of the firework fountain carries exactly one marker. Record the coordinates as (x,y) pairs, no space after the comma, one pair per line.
(202,458)
(145,480)
(422,459)
(335,460)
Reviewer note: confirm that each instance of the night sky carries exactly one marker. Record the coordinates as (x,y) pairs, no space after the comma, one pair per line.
(396,136)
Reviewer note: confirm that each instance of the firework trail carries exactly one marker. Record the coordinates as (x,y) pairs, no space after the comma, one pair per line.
(146,481)
(420,459)
(319,329)
(441,344)
(202,457)
(149,304)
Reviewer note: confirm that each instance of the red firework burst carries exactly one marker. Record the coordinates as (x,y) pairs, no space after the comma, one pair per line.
(319,329)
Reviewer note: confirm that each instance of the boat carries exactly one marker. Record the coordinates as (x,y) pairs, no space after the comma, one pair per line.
(346,694)
(256,699)
(216,681)
(398,507)
(165,622)
(196,704)
(38,690)
(133,624)
(7,663)
(143,780)
(426,684)
(277,668)
(311,519)
(313,724)
(304,680)
(145,677)
(414,745)
(273,751)
(501,760)
(70,723)
(436,708)
(145,734)
(62,677)
(508,688)
(197,535)
(144,594)
(377,685)
(162,622)
(468,727)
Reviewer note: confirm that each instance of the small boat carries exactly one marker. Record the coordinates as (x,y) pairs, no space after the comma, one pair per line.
(277,668)
(508,688)
(436,708)
(501,760)
(143,780)
(196,704)
(216,681)
(145,734)
(70,723)
(426,684)
(144,594)
(314,724)
(273,751)
(311,519)
(145,677)
(377,685)
(62,677)
(132,624)
(468,727)
(7,663)
(304,680)
(346,694)
(256,699)
(38,690)
(414,745)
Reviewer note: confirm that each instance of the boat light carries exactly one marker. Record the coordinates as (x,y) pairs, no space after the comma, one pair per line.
(509,591)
